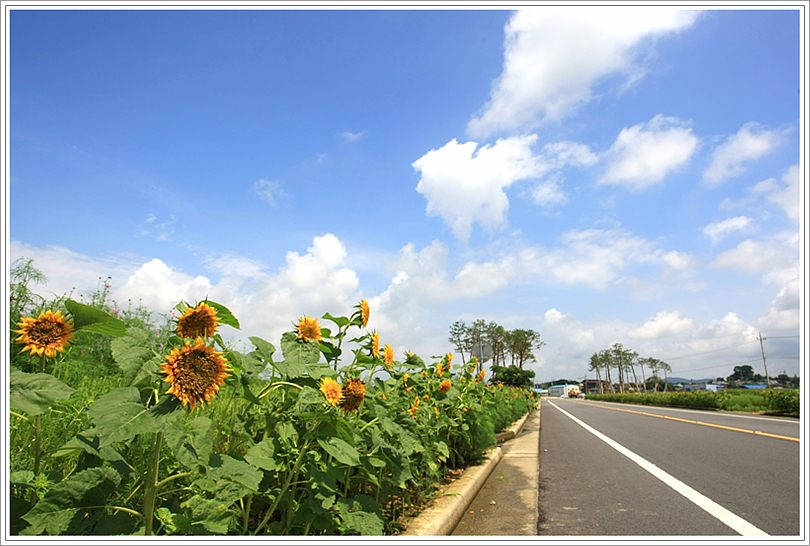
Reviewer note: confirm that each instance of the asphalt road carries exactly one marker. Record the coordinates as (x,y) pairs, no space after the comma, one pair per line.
(739,482)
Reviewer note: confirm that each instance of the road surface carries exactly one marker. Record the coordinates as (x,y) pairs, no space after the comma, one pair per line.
(624,470)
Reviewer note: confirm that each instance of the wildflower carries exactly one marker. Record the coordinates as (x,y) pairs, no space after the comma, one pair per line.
(46,334)
(364,312)
(353,394)
(388,355)
(445,386)
(195,372)
(199,321)
(309,329)
(375,345)
(331,390)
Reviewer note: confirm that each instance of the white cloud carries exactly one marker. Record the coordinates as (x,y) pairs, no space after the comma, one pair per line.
(718,230)
(784,313)
(554,56)
(777,257)
(750,143)
(664,324)
(268,191)
(159,288)
(560,154)
(644,154)
(351,137)
(549,193)
(230,265)
(788,197)
(464,185)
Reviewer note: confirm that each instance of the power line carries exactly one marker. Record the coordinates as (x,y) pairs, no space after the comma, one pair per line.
(713,351)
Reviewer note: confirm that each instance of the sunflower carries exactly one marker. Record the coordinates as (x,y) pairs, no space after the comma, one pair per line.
(480,376)
(388,355)
(353,394)
(199,321)
(405,382)
(331,390)
(195,372)
(308,329)
(449,360)
(45,335)
(445,386)
(364,312)
(439,369)
(375,345)
(414,406)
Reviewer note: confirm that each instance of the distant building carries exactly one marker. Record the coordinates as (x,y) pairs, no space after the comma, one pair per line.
(713,387)
(595,386)
(562,390)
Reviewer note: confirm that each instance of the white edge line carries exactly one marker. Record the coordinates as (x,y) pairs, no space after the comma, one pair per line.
(728,518)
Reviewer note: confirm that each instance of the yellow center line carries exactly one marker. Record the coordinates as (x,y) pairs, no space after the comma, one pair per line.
(692,422)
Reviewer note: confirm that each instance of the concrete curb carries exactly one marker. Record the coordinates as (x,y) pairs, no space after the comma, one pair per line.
(441,518)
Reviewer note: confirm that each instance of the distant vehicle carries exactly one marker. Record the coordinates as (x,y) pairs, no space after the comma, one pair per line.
(573,394)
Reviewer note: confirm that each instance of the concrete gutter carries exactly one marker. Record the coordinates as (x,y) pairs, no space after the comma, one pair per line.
(442,516)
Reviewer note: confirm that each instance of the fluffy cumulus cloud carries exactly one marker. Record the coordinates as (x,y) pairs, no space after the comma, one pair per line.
(776,257)
(555,56)
(783,314)
(644,154)
(464,185)
(664,324)
(750,143)
(159,288)
(787,196)
(716,231)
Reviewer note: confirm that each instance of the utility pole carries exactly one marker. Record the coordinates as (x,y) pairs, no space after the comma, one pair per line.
(762,347)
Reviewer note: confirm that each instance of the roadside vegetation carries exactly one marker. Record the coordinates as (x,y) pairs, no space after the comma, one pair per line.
(123,424)
(765,401)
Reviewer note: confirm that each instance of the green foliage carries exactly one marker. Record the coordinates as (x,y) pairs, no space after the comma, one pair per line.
(118,455)
(513,376)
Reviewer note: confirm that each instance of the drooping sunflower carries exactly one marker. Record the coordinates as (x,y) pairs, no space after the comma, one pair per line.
(308,329)
(375,345)
(46,334)
(331,390)
(388,355)
(449,360)
(445,386)
(353,394)
(364,312)
(480,376)
(199,321)
(195,372)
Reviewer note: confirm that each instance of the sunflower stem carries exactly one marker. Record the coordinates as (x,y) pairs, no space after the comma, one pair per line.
(151,484)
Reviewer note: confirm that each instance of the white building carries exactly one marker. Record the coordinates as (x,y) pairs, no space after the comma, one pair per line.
(562,390)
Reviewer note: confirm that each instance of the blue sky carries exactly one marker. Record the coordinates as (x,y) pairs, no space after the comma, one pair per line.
(599,175)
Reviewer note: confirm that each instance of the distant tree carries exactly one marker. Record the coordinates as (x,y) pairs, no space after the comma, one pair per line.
(512,376)
(459,338)
(520,343)
(742,374)
(495,336)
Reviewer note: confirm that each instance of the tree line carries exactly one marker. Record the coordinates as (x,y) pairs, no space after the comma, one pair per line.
(509,347)
(623,362)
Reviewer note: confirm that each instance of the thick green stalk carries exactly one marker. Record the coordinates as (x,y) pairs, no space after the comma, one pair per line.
(284,488)
(150,489)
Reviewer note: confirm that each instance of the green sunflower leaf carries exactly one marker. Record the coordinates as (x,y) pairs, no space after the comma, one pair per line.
(360,514)
(224,315)
(340,321)
(132,356)
(119,415)
(264,348)
(341,451)
(73,504)
(34,393)
(94,320)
